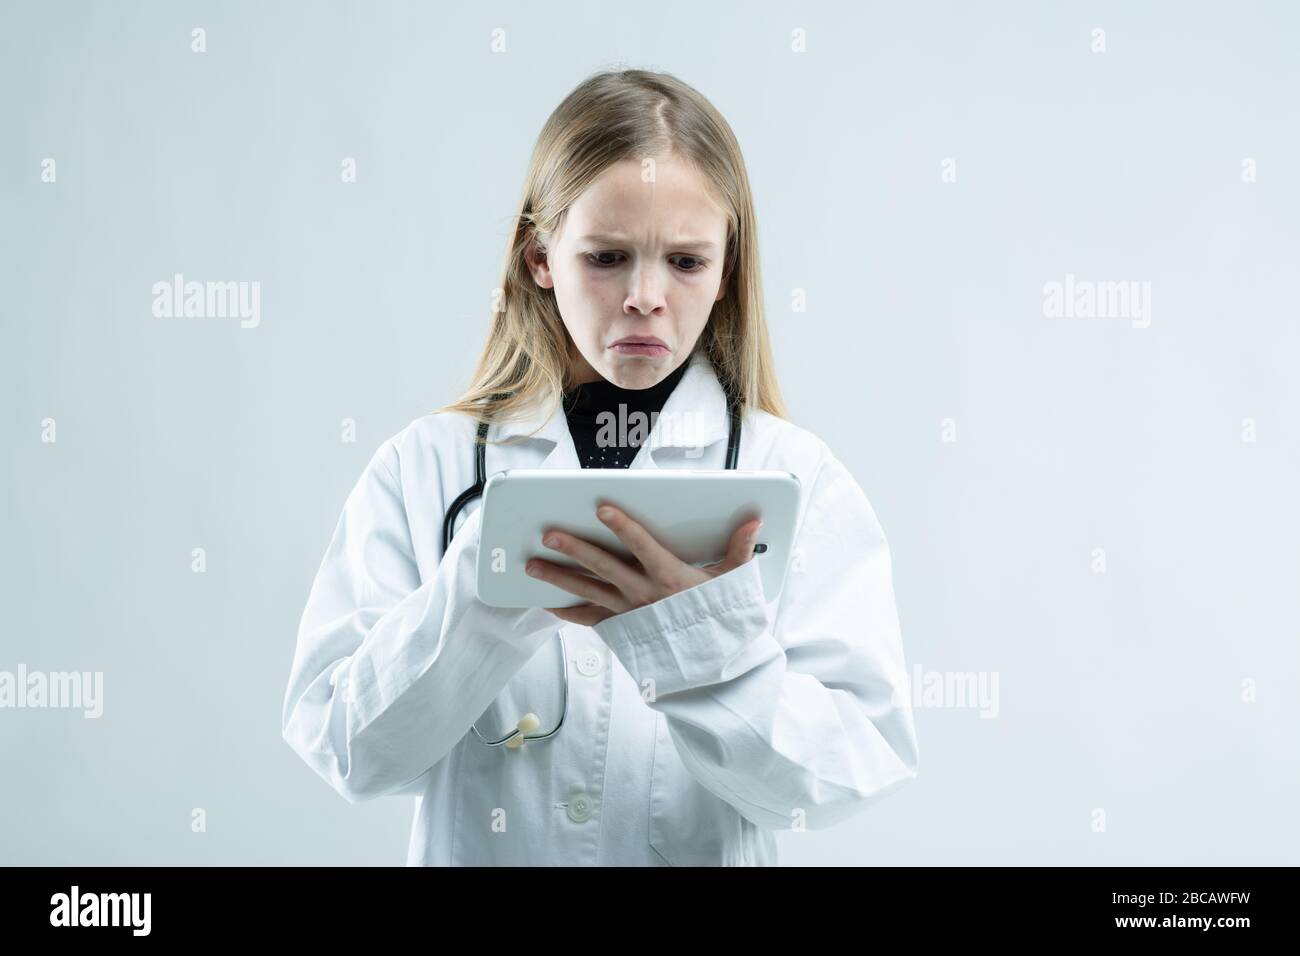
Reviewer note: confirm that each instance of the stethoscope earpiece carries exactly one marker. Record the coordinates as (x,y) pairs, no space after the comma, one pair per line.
(527,724)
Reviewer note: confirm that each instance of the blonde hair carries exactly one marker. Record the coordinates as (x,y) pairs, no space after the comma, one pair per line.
(610,117)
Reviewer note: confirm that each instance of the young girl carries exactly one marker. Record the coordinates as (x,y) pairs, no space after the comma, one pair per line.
(675,714)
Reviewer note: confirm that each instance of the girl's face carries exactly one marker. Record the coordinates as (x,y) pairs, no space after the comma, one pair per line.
(636,260)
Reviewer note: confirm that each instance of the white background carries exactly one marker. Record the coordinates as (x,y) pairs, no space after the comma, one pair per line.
(1119,691)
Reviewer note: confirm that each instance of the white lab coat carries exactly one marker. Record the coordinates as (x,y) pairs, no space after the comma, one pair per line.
(697,725)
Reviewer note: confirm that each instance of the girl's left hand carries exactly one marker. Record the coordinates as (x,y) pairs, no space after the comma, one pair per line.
(624,587)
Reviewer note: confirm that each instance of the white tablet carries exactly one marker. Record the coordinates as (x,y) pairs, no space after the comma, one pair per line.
(691,513)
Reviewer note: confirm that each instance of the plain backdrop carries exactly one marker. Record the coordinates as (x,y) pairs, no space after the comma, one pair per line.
(1101,515)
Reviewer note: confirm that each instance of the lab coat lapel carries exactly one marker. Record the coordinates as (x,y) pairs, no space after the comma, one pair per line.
(563,454)
(520,449)
(693,418)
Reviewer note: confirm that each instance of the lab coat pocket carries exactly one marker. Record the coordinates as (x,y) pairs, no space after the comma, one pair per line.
(689,826)
(498,817)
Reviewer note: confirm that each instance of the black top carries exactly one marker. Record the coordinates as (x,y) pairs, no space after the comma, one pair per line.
(607,431)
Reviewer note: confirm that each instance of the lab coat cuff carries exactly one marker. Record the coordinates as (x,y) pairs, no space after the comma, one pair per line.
(698,636)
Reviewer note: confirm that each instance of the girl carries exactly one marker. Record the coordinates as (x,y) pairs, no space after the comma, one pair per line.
(675,715)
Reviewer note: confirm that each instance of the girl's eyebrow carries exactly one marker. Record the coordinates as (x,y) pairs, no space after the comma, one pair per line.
(699,244)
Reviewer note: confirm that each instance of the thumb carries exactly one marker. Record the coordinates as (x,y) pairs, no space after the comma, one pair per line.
(742,543)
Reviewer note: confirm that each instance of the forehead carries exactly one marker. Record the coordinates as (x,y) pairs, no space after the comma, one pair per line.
(667,199)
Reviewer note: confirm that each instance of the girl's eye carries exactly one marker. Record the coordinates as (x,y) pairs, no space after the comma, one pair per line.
(693,263)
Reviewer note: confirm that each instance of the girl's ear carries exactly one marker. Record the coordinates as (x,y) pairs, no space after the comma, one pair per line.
(538,265)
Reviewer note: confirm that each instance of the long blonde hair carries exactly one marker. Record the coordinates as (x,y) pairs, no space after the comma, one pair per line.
(610,117)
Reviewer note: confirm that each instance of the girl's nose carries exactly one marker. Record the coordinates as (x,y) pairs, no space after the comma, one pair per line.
(646,293)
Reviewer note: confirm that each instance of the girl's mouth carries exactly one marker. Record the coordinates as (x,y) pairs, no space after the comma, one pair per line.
(631,348)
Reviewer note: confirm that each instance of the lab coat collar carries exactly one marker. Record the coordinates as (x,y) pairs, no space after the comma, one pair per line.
(694,416)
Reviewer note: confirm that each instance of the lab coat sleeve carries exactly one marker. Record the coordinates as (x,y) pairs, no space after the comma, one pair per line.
(797,721)
(390,670)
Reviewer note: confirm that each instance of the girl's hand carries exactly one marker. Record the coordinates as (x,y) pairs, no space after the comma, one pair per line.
(622,587)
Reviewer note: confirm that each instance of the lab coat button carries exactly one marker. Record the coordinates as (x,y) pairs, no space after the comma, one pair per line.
(590,663)
(579,808)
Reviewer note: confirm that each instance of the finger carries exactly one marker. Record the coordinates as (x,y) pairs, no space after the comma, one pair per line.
(598,592)
(586,614)
(740,548)
(743,541)
(566,613)
(597,560)
(660,563)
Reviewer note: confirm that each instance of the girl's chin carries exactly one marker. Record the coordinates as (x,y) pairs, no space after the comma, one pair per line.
(637,371)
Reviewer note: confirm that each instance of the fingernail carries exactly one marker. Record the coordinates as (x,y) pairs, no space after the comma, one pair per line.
(604,514)
(531,569)
(550,541)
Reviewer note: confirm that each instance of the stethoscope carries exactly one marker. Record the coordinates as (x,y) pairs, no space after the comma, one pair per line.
(529,722)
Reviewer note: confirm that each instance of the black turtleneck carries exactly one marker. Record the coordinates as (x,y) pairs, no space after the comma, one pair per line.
(606,436)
